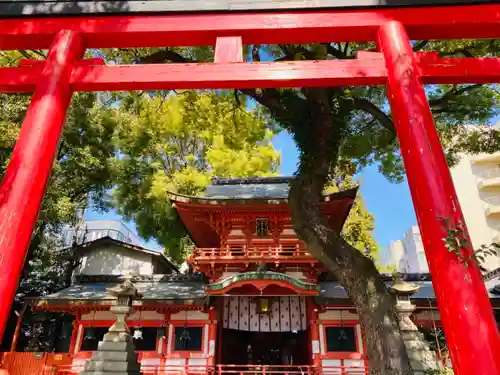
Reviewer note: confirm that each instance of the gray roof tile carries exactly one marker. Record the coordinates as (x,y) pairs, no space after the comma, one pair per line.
(247,191)
(149,290)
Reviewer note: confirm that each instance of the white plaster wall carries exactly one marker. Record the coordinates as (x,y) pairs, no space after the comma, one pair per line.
(337,315)
(295,275)
(115,261)
(99,315)
(191,315)
(146,315)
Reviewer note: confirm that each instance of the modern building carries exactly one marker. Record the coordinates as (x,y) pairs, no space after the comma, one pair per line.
(395,256)
(477,183)
(408,255)
(91,230)
(257,300)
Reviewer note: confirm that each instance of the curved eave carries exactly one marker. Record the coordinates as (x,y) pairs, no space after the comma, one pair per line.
(195,212)
(224,202)
(61,305)
(260,281)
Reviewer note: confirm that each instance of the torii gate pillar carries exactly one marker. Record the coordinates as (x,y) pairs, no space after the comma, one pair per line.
(464,305)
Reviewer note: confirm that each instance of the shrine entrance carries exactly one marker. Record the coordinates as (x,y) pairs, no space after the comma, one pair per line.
(264,348)
(264,331)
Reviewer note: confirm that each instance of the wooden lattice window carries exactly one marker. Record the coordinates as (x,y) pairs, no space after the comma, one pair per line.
(188,338)
(340,339)
(262,227)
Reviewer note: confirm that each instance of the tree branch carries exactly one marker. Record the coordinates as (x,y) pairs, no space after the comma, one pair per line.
(164,55)
(463,51)
(341,55)
(451,94)
(269,98)
(367,106)
(255,52)
(420,45)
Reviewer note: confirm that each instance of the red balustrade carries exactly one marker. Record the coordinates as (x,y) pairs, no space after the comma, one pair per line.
(293,254)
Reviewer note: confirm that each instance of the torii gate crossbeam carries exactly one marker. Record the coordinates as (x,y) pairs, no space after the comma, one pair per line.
(462,298)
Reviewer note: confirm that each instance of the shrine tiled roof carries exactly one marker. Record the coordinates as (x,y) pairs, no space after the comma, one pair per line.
(166,289)
(332,290)
(248,188)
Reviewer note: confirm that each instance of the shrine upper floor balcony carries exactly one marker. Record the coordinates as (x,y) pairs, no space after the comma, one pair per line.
(252,254)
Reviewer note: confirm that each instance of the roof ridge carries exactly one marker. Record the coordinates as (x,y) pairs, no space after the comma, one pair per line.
(251,180)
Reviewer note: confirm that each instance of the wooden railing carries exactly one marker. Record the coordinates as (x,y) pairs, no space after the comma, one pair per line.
(295,254)
(229,370)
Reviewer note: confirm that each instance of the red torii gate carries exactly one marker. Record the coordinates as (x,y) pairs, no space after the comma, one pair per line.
(465,309)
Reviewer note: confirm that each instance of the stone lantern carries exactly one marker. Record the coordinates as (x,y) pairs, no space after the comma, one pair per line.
(422,359)
(116,353)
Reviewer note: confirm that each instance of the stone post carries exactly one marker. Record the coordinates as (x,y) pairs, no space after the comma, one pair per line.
(116,353)
(422,359)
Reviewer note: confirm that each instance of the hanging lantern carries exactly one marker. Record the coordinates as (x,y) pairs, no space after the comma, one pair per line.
(264,305)
(138,331)
(185,337)
(342,332)
(161,332)
(90,334)
(137,334)
(91,331)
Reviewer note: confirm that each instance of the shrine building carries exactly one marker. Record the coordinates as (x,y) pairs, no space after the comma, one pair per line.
(254,300)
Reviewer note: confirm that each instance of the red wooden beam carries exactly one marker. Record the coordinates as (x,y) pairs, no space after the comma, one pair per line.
(444,22)
(369,70)
(283,74)
(228,75)
(20,79)
(228,49)
(477,70)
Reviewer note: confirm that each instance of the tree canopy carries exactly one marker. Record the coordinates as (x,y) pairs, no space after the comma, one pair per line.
(176,143)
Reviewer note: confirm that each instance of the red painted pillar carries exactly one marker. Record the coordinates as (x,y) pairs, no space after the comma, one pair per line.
(212,336)
(465,309)
(313,333)
(24,183)
(17,331)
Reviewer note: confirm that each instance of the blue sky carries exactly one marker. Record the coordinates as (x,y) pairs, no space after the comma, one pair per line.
(389,203)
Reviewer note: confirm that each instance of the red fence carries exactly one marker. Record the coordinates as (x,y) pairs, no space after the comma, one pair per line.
(229,370)
(296,254)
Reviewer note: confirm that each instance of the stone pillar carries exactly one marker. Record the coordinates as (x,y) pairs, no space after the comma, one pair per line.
(116,354)
(422,359)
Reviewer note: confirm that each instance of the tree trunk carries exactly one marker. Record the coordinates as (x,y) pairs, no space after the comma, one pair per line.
(358,275)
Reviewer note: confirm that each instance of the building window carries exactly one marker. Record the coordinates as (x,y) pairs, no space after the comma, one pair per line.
(188,338)
(91,337)
(340,339)
(262,227)
(148,340)
(63,339)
